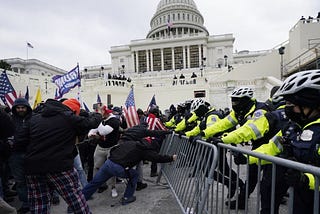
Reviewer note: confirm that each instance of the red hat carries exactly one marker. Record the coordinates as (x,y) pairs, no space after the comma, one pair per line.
(106,110)
(73,104)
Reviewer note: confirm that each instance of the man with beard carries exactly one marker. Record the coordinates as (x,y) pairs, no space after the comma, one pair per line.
(21,113)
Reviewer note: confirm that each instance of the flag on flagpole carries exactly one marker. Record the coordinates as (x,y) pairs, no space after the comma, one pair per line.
(86,107)
(26,96)
(29,45)
(38,99)
(20,95)
(130,111)
(67,81)
(152,103)
(7,92)
(57,95)
(98,99)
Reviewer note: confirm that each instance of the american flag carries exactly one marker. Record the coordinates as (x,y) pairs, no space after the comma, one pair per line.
(152,103)
(29,45)
(7,92)
(130,111)
(169,24)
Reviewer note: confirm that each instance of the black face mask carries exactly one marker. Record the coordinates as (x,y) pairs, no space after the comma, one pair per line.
(242,105)
(299,118)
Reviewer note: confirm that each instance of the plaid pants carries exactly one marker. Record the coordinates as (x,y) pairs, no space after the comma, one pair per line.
(66,183)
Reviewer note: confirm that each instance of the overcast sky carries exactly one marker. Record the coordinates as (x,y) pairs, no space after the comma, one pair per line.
(65,32)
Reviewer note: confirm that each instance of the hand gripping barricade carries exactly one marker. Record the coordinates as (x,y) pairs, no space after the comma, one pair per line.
(194,182)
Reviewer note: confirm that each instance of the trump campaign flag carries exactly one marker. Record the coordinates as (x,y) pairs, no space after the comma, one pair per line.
(67,81)
(130,111)
(7,92)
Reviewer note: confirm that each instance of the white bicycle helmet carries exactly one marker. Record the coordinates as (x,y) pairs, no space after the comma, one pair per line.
(196,103)
(242,92)
(298,81)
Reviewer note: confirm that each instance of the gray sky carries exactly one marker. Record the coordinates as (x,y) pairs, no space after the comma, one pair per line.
(65,32)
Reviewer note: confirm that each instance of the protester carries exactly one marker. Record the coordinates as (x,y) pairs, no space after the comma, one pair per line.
(131,149)
(21,113)
(6,130)
(51,137)
(155,124)
(108,135)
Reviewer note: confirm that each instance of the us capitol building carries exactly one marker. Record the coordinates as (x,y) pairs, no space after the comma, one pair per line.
(179,60)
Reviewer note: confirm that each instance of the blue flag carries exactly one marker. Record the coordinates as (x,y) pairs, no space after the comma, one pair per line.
(86,107)
(98,99)
(67,81)
(26,96)
(152,103)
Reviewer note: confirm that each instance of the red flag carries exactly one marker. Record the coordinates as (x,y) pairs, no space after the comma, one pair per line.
(7,92)
(130,111)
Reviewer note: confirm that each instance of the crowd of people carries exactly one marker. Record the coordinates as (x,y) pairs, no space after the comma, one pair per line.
(59,149)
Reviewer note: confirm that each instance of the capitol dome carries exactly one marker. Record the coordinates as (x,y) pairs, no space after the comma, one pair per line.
(176,18)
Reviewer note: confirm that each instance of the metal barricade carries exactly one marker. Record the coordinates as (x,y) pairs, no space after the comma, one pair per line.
(198,177)
(190,176)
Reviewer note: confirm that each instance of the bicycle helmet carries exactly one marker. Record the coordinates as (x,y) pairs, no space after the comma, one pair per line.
(302,88)
(242,92)
(196,103)
(298,81)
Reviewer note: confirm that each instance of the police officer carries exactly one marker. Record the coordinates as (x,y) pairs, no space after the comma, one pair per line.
(258,130)
(244,106)
(299,140)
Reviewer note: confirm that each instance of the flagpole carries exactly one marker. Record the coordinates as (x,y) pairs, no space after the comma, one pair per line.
(27,50)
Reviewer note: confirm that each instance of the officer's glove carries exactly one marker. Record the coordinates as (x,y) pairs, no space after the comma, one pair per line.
(239,158)
(193,139)
(296,178)
(180,134)
(215,140)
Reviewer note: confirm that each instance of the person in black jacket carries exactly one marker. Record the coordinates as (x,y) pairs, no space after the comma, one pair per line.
(132,148)
(6,130)
(51,136)
(21,113)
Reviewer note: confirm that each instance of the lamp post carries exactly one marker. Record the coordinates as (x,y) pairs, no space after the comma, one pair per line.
(281,52)
(46,83)
(225,60)
(123,66)
(85,73)
(203,65)
(101,71)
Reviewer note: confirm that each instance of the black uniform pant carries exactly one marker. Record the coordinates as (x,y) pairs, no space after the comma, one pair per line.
(265,190)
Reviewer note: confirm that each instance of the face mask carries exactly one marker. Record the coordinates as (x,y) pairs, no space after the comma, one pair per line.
(294,116)
(241,105)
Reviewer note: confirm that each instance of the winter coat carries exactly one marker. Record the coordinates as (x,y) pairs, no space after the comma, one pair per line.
(51,135)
